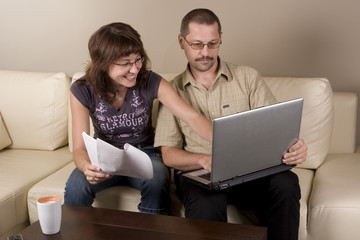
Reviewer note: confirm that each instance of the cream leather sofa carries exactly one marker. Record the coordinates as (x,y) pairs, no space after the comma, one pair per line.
(34,108)
(33,130)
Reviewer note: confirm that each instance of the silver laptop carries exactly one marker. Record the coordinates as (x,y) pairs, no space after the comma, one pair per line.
(250,145)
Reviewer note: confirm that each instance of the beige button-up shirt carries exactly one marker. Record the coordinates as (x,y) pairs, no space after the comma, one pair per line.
(236,89)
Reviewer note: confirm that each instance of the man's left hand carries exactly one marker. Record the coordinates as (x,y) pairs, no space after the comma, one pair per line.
(297,153)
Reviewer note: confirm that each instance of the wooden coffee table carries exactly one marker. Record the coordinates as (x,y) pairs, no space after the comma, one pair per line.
(99,223)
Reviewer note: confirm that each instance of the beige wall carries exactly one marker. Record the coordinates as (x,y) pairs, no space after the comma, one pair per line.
(278,37)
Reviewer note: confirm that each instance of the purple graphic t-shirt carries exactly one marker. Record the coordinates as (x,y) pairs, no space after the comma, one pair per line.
(132,123)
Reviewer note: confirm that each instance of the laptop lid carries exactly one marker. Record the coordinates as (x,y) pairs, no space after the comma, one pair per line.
(250,144)
(253,140)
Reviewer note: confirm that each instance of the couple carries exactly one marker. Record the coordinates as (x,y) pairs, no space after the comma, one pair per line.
(119,88)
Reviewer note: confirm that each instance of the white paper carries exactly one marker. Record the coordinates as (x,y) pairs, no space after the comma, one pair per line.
(129,161)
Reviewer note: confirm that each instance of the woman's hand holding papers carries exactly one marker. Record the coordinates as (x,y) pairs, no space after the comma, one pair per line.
(94,174)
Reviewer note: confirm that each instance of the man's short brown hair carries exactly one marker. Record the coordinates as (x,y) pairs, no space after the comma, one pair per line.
(201,16)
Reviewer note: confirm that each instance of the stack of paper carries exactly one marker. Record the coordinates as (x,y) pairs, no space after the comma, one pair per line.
(129,161)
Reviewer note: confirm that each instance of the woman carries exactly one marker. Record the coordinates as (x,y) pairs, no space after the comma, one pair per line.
(117,94)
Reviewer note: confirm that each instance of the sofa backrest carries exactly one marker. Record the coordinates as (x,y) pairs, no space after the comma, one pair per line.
(317,119)
(343,138)
(33,106)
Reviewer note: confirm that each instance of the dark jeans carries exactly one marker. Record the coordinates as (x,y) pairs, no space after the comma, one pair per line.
(275,200)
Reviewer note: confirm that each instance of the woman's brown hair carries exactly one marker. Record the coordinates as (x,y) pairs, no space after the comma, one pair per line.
(108,44)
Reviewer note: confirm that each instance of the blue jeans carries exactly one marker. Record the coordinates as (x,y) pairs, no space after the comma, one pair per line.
(154,192)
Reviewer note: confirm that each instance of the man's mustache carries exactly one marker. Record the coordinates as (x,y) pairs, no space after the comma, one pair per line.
(204,58)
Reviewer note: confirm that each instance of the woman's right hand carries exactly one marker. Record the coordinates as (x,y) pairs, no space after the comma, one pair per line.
(94,174)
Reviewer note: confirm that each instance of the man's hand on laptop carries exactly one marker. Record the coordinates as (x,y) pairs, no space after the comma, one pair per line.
(297,153)
(205,162)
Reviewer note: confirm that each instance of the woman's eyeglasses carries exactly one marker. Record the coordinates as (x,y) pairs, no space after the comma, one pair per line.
(128,65)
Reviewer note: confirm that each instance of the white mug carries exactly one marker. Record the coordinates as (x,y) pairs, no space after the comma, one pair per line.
(49,212)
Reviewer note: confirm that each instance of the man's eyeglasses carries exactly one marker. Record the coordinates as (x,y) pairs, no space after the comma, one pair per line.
(127,65)
(200,45)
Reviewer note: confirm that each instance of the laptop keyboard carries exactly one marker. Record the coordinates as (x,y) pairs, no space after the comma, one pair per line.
(206,176)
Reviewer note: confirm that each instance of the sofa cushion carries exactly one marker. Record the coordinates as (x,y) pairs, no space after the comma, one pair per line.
(4,135)
(334,207)
(34,107)
(20,170)
(117,197)
(306,177)
(317,119)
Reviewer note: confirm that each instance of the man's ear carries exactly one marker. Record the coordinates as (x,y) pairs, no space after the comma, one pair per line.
(181,41)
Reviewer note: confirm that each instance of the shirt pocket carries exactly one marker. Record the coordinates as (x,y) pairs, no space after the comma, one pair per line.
(234,106)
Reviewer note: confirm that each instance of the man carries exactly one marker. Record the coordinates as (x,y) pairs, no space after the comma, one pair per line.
(216,88)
